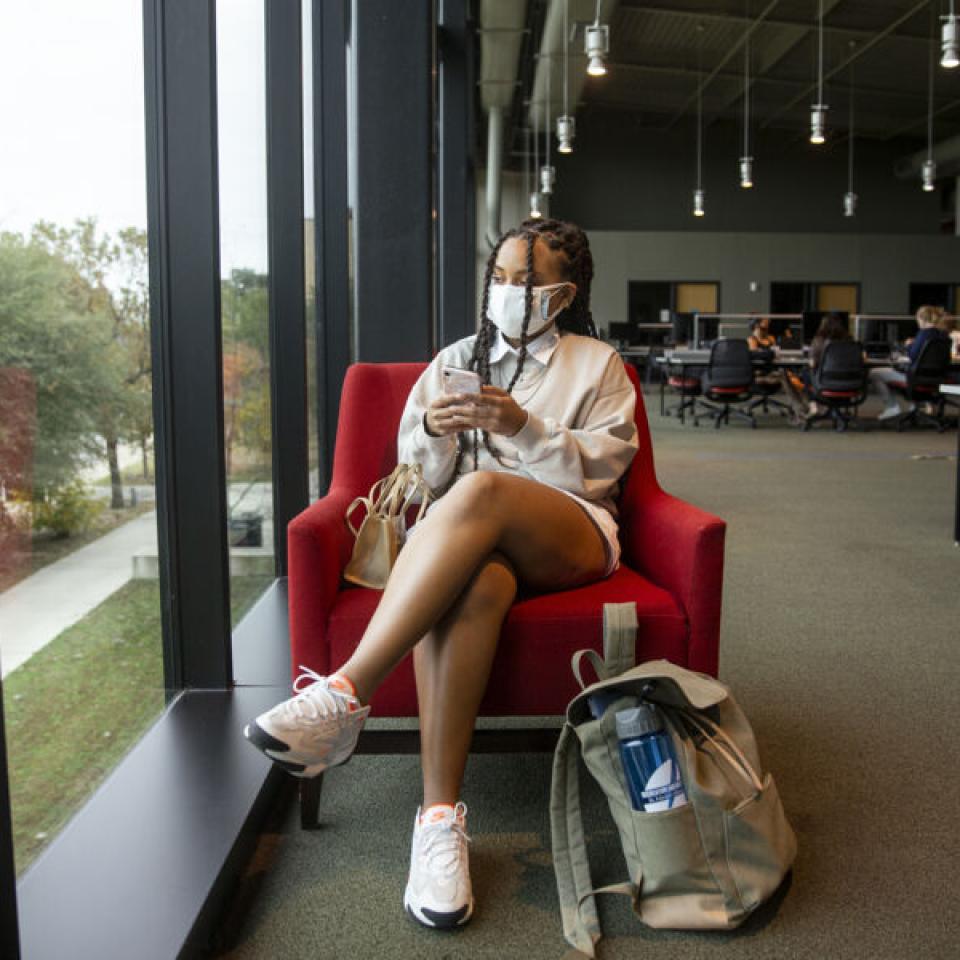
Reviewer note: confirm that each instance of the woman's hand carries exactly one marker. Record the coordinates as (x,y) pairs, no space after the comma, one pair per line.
(493,410)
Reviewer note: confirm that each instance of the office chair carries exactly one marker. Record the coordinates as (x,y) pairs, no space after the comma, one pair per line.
(840,384)
(728,380)
(688,388)
(765,390)
(924,376)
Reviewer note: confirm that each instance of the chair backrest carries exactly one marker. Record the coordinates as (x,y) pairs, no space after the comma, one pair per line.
(730,364)
(841,366)
(372,402)
(932,363)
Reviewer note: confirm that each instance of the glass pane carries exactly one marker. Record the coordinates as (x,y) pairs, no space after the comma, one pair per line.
(241,106)
(309,254)
(80,629)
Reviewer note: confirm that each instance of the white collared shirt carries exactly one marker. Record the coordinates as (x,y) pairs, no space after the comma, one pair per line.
(540,348)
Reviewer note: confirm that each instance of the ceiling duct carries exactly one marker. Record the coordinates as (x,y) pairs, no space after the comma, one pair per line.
(502,25)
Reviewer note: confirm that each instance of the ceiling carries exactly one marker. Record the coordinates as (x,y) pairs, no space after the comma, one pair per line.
(662,53)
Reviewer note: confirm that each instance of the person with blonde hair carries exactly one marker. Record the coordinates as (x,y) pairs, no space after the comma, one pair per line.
(881,378)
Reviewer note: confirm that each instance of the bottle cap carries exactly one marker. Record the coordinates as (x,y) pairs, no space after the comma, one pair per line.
(638,721)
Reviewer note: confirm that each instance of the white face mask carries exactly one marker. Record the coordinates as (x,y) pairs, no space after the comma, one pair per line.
(507,306)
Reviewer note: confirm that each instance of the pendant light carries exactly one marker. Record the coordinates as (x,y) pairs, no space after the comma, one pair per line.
(746,161)
(698,210)
(566,128)
(535,213)
(596,44)
(850,198)
(818,112)
(547,173)
(928,171)
(948,40)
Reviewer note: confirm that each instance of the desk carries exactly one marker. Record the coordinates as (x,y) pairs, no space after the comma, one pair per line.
(953,389)
(694,359)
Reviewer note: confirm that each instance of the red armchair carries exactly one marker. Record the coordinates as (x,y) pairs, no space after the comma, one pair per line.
(671,566)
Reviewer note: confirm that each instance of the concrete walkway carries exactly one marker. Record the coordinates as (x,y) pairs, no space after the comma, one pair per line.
(43,605)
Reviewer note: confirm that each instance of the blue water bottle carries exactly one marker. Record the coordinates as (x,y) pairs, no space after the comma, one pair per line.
(649,760)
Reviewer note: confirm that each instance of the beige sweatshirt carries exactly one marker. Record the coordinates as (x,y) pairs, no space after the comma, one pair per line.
(580,433)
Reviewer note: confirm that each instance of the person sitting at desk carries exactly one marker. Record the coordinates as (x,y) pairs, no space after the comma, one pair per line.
(832,327)
(882,377)
(760,336)
(947,323)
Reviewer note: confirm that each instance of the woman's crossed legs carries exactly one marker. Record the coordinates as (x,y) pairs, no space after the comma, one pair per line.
(449,592)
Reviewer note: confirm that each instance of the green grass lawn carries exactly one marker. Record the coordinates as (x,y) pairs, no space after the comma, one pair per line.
(76,707)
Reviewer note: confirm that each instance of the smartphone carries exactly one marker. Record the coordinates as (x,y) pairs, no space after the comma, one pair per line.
(456,380)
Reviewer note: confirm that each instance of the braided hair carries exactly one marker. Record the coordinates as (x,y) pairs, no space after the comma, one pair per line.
(577,266)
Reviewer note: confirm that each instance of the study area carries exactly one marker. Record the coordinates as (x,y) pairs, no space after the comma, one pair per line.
(479,478)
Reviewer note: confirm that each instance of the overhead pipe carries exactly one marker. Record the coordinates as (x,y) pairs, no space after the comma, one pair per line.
(946,155)
(494,164)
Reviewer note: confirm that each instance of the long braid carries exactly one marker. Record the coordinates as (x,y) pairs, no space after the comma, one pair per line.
(575,318)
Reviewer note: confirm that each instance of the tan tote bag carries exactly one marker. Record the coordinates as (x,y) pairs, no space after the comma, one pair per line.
(384,529)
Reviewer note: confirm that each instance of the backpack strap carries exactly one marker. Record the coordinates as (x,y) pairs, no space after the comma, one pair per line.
(619,637)
(578,909)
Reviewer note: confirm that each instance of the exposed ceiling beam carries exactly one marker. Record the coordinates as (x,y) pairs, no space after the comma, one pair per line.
(775,51)
(619,66)
(716,16)
(858,52)
(730,54)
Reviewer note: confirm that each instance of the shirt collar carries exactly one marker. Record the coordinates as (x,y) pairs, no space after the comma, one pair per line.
(540,348)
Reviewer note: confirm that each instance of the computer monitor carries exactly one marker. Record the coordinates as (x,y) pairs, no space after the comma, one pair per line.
(682,328)
(788,333)
(622,332)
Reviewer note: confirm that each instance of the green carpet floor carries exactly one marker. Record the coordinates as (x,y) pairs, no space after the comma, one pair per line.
(840,638)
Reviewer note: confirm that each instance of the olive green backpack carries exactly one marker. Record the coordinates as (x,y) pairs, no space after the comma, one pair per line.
(704,865)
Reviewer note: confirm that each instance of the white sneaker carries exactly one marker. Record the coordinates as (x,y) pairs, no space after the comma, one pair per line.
(315,729)
(438,892)
(888,413)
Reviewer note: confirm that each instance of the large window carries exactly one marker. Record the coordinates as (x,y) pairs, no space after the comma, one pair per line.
(80,626)
(241,109)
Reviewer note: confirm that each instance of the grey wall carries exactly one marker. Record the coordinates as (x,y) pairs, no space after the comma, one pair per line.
(884,265)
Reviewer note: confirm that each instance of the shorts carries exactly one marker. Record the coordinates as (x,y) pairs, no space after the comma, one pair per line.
(602,519)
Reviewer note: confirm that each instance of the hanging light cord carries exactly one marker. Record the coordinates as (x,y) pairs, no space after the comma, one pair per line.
(850,153)
(933,35)
(699,106)
(820,56)
(547,128)
(566,46)
(596,16)
(746,87)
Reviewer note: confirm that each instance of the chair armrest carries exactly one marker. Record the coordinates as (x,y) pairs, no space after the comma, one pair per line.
(319,545)
(679,547)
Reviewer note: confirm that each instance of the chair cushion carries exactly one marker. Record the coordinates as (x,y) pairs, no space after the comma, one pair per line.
(531,672)
(728,390)
(847,394)
(684,383)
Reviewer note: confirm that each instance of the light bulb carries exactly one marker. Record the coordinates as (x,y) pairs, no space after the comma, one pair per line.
(818,119)
(547,175)
(929,173)
(746,172)
(849,203)
(948,42)
(566,128)
(535,213)
(698,203)
(596,44)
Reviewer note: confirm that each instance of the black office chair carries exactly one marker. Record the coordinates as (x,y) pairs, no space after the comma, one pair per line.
(924,376)
(840,384)
(765,390)
(727,380)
